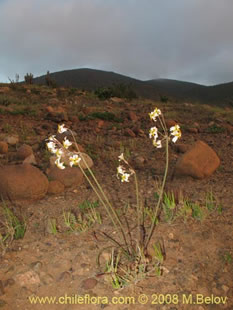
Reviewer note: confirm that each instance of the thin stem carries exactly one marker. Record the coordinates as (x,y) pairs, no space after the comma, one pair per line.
(103,194)
(160,197)
(138,207)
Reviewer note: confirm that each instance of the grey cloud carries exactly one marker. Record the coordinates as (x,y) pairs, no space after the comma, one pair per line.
(180,39)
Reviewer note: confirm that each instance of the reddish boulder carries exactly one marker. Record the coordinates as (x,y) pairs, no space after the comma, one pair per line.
(55,187)
(199,161)
(69,177)
(22,182)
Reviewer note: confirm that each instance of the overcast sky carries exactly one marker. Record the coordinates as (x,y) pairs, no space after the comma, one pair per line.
(190,40)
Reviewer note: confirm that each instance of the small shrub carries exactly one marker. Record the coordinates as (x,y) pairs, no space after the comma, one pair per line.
(164,99)
(28,78)
(103,93)
(118,90)
(50,82)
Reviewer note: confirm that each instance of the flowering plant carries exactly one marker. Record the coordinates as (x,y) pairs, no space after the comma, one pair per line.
(134,252)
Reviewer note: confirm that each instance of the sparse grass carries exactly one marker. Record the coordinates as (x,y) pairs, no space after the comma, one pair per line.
(7,128)
(6,100)
(26,111)
(12,227)
(227,258)
(215,129)
(91,151)
(121,274)
(25,131)
(215,112)
(52,226)
(186,209)
(87,216)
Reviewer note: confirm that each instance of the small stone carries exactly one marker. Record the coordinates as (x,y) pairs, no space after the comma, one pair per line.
(139,160)
(192,130)
(171,236)
(64,276)
(3,147)
(36,266)
(89,283)
(28,278)
(132,116)
(24,151)
(106,256)
(12,140)
(129,132)
(100,124)
(225,288)
(46,278)
(9,282)
(229,129)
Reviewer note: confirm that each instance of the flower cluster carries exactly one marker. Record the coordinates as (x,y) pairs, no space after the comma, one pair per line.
(153,133)
(121,172)
(175,131)
(55,147)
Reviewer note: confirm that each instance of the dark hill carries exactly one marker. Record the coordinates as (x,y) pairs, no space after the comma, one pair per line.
(90,79)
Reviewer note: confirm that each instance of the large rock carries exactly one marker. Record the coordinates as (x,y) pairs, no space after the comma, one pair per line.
(199,161)
(22,182)
(55,187)
(70,177)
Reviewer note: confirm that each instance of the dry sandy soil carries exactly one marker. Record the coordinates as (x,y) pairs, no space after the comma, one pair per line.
(197,272)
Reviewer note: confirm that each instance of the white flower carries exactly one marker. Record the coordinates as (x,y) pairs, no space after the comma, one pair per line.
(51,147)
(125,177)
(121,157)
(153,132)
(175,128)
(157,143)
(176,132)
(61,128)
(74,160)
(174,139)
(52,138)
(66,143)
(120,170)
(59,164)
(59,152)
(154,114)
(121,173)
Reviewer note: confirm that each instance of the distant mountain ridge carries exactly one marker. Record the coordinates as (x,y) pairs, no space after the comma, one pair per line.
(91,79)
